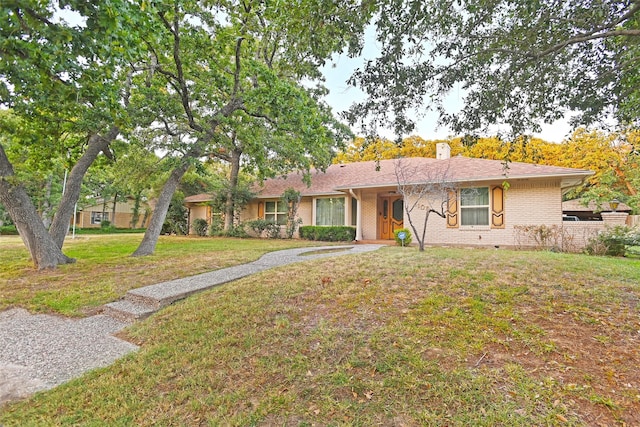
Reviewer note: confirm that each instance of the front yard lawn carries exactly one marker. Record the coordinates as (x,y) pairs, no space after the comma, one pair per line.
(105,271)
(396,337)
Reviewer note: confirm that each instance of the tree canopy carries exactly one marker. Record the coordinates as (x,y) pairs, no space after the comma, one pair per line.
(228,85)
(514,64)
(193,79)
(63,79)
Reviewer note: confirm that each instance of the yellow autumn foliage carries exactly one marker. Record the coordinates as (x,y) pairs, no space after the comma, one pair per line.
(607,154)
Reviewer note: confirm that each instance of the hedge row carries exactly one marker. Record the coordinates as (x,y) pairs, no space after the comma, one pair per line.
(328,233)
(8,230)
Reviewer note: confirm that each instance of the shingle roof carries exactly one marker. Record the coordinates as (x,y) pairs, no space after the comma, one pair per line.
(382,174)
(199,198)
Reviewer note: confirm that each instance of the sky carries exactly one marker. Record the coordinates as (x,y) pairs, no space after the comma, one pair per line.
(341,96)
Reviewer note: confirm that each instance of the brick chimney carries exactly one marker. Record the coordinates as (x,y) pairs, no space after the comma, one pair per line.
(443,151)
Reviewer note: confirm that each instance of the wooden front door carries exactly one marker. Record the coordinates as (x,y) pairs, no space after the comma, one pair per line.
(390,216)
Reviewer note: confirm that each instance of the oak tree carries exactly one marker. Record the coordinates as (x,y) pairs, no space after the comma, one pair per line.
(235,70)
(511,63)
(71,78)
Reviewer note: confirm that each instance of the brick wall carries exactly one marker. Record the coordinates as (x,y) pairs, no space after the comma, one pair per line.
(527,203)
(369,216)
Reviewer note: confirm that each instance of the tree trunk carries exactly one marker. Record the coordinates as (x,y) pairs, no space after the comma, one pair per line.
(45,253)
(145,217)
(104,210)
(229,208)
(62,219)
(113,209)
(46,203)
(150,239)
(135,213)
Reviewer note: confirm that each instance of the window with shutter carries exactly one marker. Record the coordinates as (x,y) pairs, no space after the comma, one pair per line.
(474,206)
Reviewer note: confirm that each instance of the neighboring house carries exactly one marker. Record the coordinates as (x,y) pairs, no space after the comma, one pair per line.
(591,212)
(365,195)
(92,216)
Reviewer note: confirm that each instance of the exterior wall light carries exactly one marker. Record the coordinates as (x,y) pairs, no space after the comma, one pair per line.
(613,204)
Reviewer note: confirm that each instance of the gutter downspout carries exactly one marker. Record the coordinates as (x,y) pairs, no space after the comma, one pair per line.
(358,215)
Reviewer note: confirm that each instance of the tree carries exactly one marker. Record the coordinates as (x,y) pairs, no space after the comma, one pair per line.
(234,68)
(176,219)
(513,63)
(363,149)
(291,199)
(231,190)
(614,157)
(72,80)
(424,191)
(40,171)
(18,204)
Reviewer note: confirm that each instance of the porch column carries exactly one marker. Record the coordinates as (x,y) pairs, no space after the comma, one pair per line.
(358,215)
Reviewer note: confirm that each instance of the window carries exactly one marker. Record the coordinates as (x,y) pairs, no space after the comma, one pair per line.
(474,206)
(397,210)
(98,217)
(330,211)
(276,211)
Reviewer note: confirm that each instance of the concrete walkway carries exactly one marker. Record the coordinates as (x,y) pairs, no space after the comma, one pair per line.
(39,352)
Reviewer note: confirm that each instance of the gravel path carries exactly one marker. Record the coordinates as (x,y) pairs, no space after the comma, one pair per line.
(40,351)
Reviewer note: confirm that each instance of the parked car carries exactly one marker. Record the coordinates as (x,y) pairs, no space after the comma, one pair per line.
(570,218)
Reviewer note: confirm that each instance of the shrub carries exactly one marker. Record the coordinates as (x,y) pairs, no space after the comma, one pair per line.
(107,227)
(613,241)
(110,230)
(200,226)
(236,231)
(334,233)
(407,239)
(542,237)
(260,226)
(217,226)
(273,231)
(8,230)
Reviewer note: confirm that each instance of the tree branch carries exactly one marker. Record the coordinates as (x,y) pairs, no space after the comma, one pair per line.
(581,39)
(236,74)
(38,17)
(259,115)
(181,84)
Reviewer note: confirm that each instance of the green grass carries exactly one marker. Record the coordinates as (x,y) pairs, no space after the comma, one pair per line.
(396,337)
(109,230)
(104,269)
